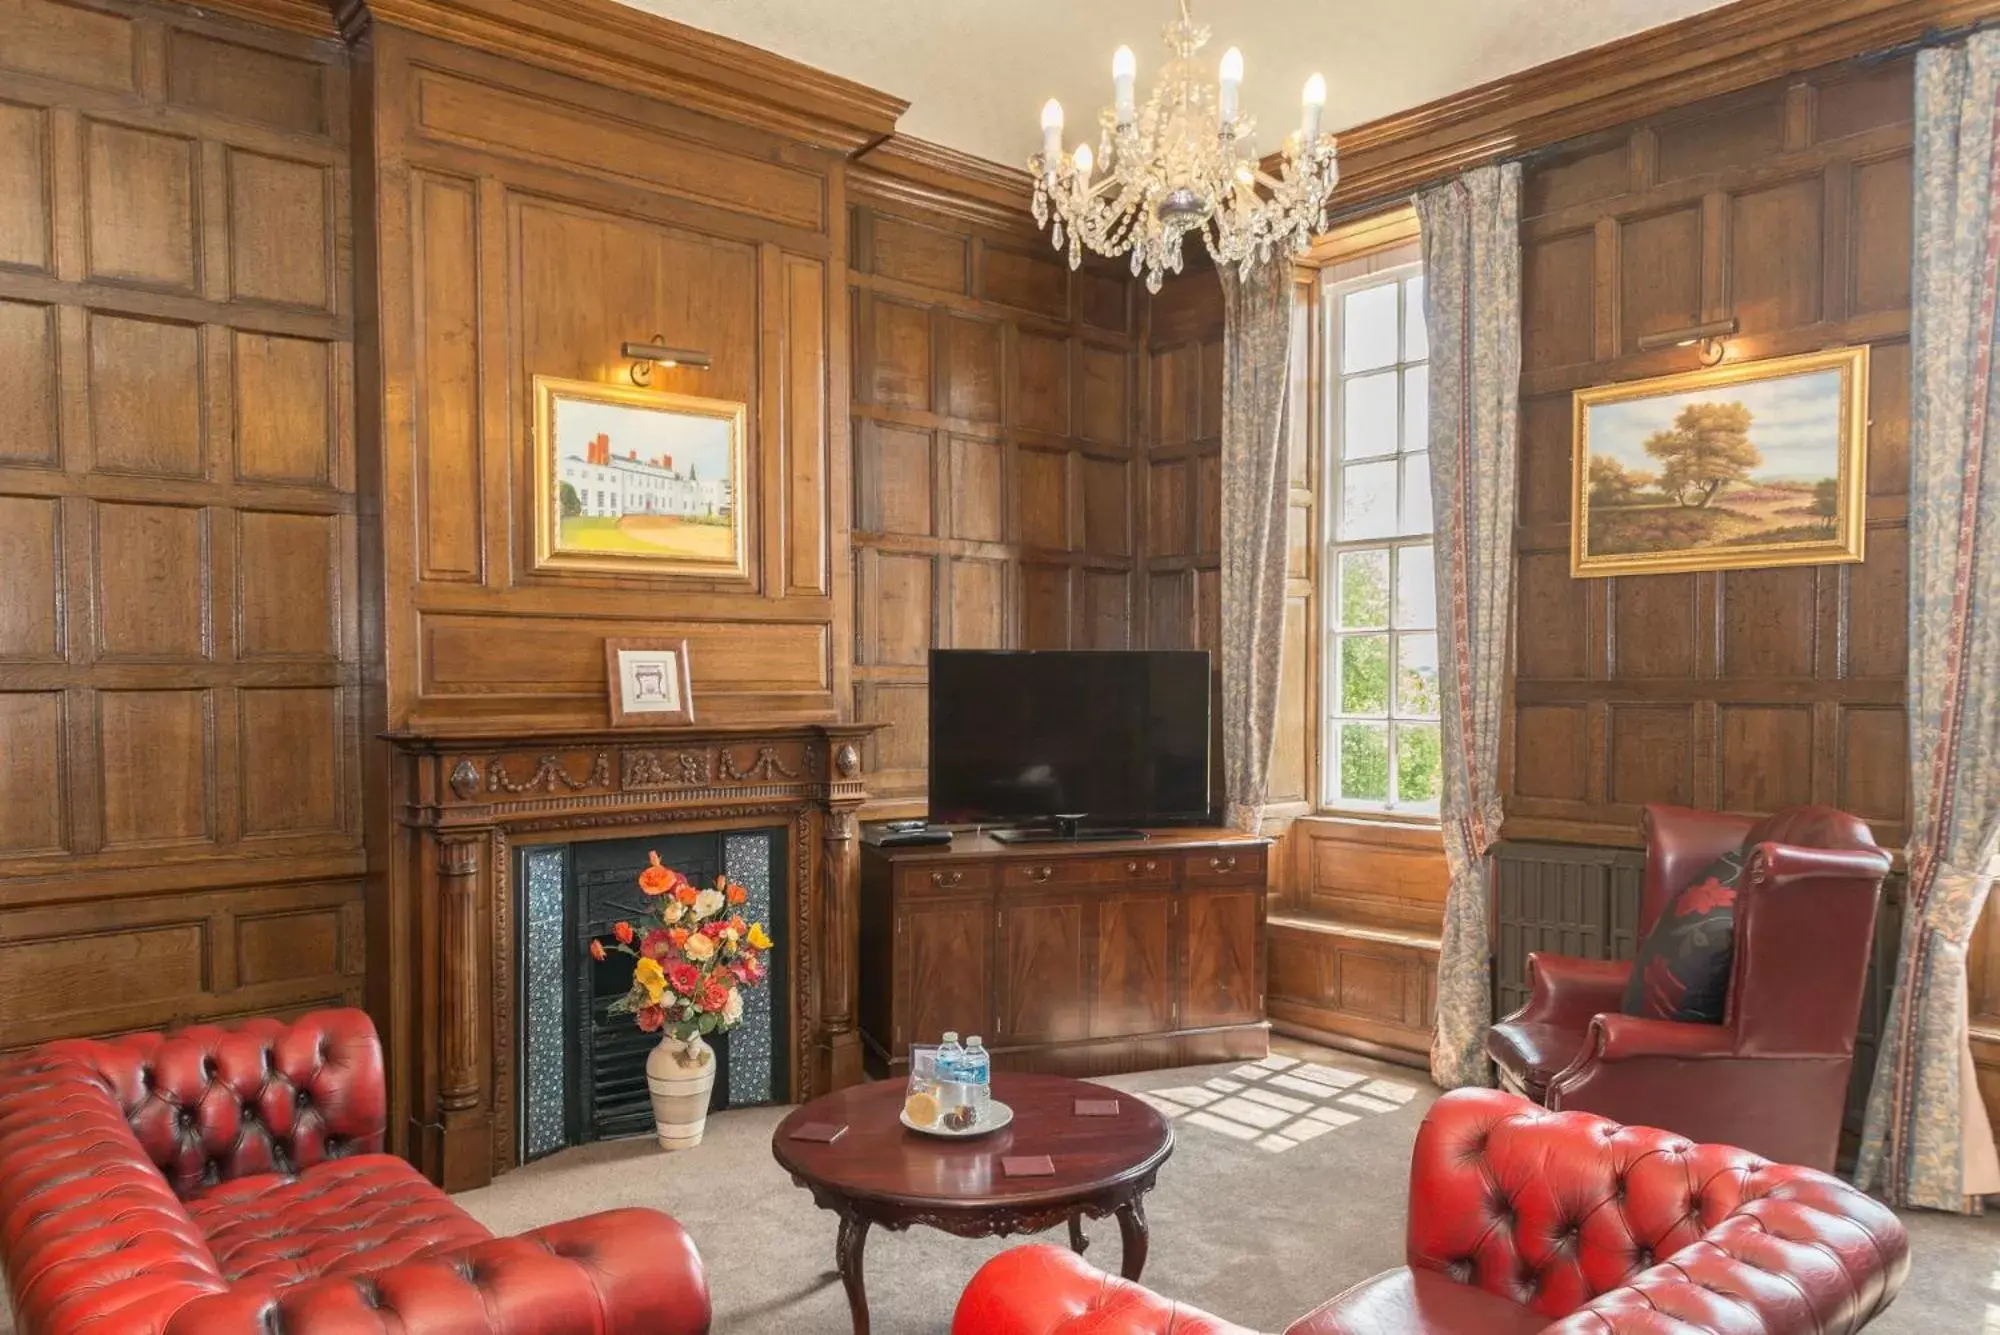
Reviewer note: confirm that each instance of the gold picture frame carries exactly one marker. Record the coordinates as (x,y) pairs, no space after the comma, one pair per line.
(1799,487)
(639,482)
(649,682)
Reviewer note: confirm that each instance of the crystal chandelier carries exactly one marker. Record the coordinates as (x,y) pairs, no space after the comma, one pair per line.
(1182,164)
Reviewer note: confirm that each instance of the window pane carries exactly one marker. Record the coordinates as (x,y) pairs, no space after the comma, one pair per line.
(1416,588)
(1368,416)
(1417,676)
(1368,500)
(1364,762)
(1416,336)
(1364,674)
(1416,516)
(1364,590)
(1419,764)
(1368,329)
(1417,408)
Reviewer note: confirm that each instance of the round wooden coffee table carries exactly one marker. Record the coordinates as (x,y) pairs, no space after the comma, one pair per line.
(877,1172)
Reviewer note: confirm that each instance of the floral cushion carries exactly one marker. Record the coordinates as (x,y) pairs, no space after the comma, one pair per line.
(1682,970)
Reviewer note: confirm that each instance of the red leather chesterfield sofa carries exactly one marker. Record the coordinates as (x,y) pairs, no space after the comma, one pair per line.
(1523,1220)
(215,1181)
(1772,1077)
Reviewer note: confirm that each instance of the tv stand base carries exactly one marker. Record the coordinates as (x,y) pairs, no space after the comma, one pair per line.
(1045,835)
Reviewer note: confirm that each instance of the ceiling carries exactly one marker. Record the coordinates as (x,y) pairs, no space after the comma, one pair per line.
(976,72)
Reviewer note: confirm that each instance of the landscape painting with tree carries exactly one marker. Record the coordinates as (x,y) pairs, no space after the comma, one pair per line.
(1758,464)
(634,480)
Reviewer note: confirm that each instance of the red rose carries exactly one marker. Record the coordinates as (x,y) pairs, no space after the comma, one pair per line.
(623,931)
(656,944)
(684,979)
(711,929)
(651,1018)
(1710,894)
(715,996)
(596,949)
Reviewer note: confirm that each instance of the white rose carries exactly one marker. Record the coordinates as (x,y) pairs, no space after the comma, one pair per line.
(732,1010)
(672,910)
(707,904)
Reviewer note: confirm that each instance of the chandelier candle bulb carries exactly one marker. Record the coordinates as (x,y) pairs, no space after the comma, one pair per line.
(1315,102)
(1084,160)
(1052,128)
(1124,70)
(1232,84)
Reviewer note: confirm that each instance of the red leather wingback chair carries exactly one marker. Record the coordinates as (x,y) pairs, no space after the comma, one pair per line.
(1772,1077)
(231,1182)
(1522,1221)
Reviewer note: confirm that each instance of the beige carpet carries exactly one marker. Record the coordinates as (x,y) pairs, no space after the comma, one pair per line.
(1258,1216)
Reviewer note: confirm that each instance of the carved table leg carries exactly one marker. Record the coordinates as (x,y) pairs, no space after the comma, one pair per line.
(1132,1232)
(847,1251)
(1077,1242)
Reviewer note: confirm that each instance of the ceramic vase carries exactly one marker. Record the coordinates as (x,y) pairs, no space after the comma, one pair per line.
(680,1077)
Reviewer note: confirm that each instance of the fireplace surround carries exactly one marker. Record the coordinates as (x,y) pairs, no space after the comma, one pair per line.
(467,805)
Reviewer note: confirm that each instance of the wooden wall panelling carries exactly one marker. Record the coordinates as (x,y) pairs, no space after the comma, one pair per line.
(1747,689)
(527,222)
(996,443)
(179,638)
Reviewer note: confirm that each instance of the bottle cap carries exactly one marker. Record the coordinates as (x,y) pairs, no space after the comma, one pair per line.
(975,1042)
(951,1035)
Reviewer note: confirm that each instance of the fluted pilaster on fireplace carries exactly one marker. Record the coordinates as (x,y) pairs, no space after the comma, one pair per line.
(464,801)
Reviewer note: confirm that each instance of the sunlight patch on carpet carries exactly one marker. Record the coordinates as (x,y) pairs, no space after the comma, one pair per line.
(1279,1103)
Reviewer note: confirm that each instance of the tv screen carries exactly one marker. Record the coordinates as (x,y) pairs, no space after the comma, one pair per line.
(1118,737)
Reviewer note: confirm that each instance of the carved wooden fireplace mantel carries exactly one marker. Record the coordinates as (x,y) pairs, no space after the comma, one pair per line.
(464,798)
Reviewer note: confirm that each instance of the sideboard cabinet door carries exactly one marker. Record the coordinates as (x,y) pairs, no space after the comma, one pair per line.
(944,968)
(1044,978)
(1136,964)
(1224,943)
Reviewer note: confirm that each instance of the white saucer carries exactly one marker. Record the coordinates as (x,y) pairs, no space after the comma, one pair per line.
(997,1115)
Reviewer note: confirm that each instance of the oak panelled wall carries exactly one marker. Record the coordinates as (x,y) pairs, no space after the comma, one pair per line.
(997,454)
(179,777)
(1787,208)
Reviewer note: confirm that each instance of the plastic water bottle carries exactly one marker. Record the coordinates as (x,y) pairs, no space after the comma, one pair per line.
(955,1094)
(976,1068)
(949,1055)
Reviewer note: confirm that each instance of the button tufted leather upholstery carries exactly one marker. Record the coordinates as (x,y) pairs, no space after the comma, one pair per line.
(1526,1220)
(1772,1077)
(218,1180)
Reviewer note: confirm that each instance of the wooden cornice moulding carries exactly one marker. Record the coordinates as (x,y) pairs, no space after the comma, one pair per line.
(936,179)
(314,18)
(621,47)
(1714,52)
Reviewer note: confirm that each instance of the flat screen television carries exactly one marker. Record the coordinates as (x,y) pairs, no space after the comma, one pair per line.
(1077,740)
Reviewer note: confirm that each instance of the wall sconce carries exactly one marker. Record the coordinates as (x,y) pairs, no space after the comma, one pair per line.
(1708,337)
(645,356)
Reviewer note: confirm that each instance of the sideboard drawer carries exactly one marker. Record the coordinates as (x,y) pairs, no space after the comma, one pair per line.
(1224,866)
(947,879)
(1032,873)
(1136,869)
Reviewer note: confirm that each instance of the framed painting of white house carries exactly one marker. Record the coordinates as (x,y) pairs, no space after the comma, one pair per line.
(634,481)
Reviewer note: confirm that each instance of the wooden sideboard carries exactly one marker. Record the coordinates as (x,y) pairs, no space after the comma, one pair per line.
(1081,959)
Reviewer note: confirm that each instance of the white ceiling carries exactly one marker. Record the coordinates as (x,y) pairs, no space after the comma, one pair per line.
(976,72)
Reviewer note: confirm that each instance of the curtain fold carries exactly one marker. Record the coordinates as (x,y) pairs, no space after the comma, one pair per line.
(1256,357)
(1926,1140)
(1472,312)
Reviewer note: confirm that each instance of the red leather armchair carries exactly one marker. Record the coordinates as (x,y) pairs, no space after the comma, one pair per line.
(1523,1220)
(1772,1077)
(218,1181)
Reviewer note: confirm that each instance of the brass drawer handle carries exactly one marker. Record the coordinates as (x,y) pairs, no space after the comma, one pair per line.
(1039,874)
(947,878)
(1223,864)
(1134,868)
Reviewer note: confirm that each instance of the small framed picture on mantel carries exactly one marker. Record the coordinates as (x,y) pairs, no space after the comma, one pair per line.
(650,686)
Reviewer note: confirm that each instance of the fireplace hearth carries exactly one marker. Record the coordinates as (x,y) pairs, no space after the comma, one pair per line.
(583,1071)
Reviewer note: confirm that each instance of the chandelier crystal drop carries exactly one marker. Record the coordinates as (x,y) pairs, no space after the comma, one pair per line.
(1182,163)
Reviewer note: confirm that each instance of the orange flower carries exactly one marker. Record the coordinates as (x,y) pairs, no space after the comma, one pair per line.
(679,936)
(623,931)
(596,949)
(737,925)
(737,894)
(685,892)
(658,879)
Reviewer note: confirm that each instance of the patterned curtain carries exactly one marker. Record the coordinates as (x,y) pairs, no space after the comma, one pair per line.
(1926,1140)
(1472,312)
(1256,359)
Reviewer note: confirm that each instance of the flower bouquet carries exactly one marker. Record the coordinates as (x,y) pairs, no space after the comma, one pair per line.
(695,955)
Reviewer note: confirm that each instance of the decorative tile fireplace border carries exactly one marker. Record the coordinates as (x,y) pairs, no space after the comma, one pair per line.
(467,799)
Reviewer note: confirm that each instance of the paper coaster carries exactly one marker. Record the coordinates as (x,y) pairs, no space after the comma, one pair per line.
(823,1132)
(1027,1165)
(1097,1107)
